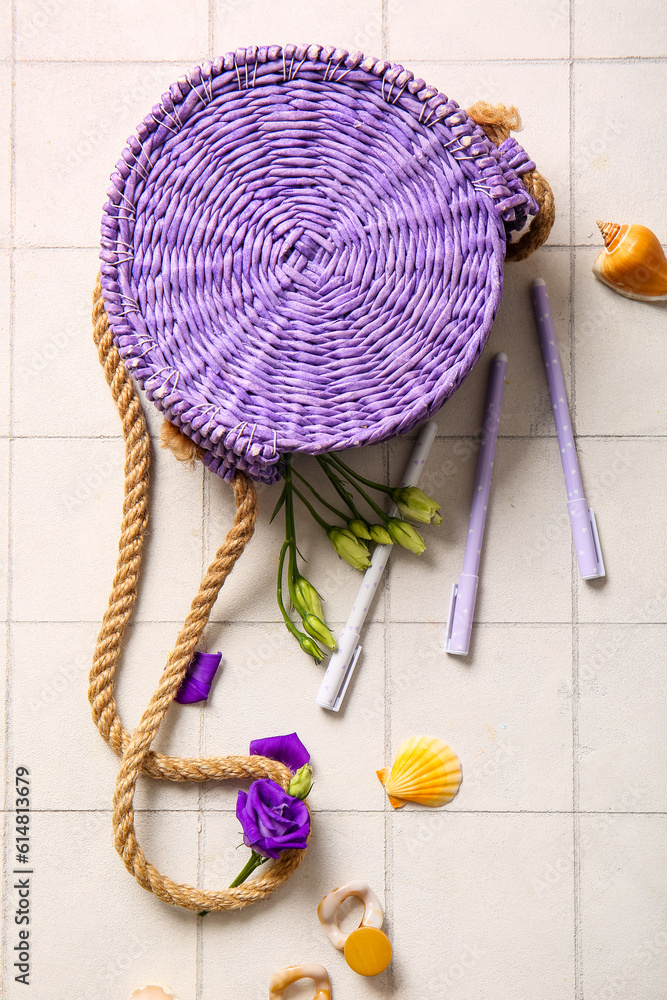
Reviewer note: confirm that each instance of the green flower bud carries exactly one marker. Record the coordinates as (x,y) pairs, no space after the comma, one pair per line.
(359,528)
(414,504)
(380,535)
(349,547)
(300,784)
(315,626)
(306,599)
(407,536)
(310,647)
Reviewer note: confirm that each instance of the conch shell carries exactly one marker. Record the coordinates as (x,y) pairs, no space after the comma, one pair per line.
(632,262)
(425,770)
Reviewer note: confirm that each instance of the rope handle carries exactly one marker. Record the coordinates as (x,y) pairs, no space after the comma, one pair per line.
(137,758)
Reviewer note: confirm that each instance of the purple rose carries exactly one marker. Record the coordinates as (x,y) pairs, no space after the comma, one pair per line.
(272,820)
(289,750)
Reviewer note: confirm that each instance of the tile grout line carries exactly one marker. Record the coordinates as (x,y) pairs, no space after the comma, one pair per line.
(388,825)
(201,792)
(347,811)
(196,59)
(155,438)
(252,623)
(211,55)
(5,958)
(201,799)
(576,852)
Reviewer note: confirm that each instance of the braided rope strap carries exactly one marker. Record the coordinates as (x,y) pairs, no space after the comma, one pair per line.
(135,749)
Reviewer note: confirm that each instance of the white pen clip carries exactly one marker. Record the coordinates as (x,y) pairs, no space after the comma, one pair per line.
(450,616)
(338,700)
(596,542)
(461,614)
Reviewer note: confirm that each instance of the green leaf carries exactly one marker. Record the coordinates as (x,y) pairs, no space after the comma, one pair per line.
(280,504)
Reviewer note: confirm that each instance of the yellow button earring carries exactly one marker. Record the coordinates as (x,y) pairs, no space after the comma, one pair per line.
(367,949)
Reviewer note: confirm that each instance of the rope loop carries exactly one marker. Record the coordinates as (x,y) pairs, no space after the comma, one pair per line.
(134,749)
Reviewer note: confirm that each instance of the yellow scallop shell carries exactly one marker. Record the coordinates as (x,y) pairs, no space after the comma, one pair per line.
(425,770)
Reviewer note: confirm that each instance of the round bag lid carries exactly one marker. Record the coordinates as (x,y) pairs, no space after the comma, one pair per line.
(302,251)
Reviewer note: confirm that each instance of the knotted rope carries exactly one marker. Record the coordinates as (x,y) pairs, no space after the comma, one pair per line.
(135,749)
(497,121)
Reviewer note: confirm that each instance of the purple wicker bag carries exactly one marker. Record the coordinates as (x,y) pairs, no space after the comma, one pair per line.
(303,250)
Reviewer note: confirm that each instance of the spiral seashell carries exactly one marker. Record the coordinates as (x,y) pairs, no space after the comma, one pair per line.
(632,262)
(425,770)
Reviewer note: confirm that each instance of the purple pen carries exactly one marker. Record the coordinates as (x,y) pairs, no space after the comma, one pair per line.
(464,593)
(582,518)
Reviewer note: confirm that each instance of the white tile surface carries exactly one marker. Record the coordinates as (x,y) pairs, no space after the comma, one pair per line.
(261,657)
(59,197)
(6,32)
(505,892)
(624,931)
(615,29)
(120,943)
(115,29)
(5,298)
(67,503)
(622,754)
(55,359)
(624,482)
(350,24)
(524,576)
(4,510)
(5,149)
(620,356)
(3,711)
(526,402)
(615,179)
(424,29)
(509,722)
(49,707)
(492,904)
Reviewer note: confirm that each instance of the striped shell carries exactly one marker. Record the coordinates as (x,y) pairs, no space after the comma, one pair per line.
(632,262)
(425,770)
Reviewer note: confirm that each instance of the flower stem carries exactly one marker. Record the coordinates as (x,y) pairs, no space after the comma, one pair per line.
(355,475)
(371,503)
(338,486)
(322,523)
(254,861)
(287,544)
(325,503)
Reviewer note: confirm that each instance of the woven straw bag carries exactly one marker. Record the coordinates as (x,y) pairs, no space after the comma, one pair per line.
(302,251)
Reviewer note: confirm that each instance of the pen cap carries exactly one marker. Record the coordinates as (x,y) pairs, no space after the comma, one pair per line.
(461,614)
(586,544)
